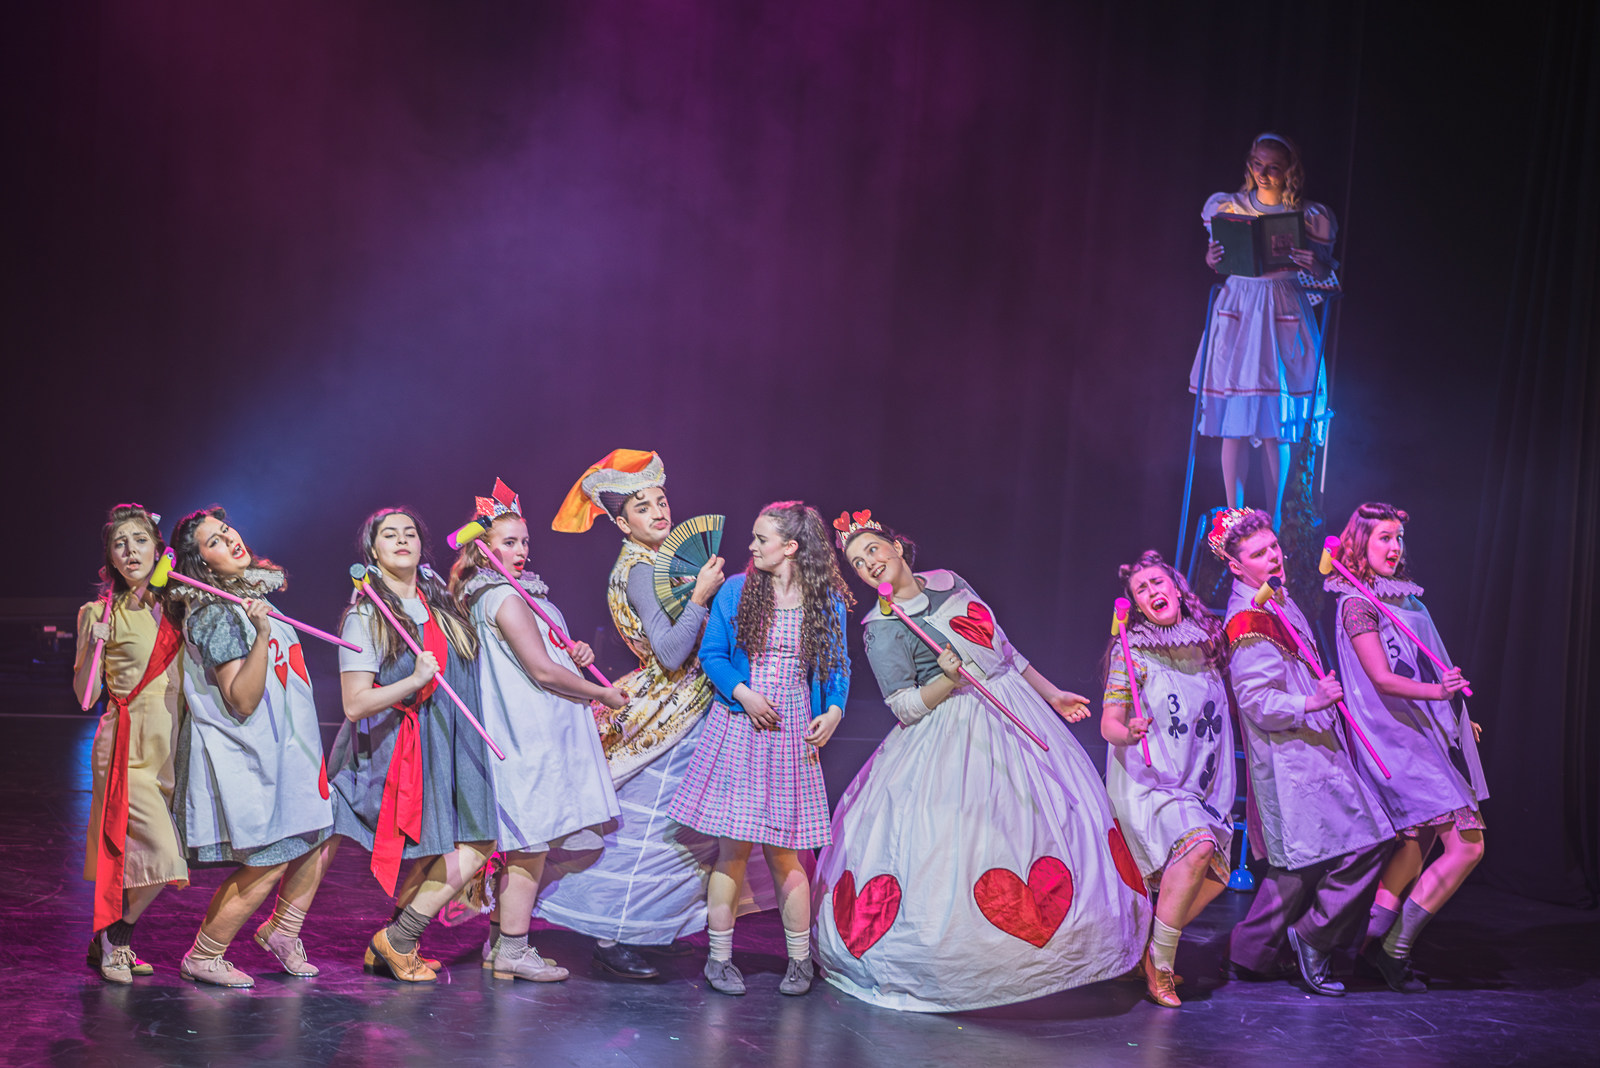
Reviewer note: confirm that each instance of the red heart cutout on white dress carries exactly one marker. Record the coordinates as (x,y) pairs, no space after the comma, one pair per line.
(864,918)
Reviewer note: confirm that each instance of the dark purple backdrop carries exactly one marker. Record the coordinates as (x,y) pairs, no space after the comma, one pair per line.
(942,260)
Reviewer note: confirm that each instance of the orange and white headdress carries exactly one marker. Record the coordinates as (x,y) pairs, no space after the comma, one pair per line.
(624,471)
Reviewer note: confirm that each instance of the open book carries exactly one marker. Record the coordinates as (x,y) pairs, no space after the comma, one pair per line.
(1253,245)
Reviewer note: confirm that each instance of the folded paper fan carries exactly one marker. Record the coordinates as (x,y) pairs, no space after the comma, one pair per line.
(680,558)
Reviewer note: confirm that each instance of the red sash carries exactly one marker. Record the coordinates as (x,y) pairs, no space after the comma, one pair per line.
(111,848)
(400,815)
(1263,625)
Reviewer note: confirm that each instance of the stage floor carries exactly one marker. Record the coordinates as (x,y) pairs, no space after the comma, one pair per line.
(1515,982)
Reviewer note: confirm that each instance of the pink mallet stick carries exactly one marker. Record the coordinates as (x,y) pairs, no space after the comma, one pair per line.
(164,571)
(94,661)
(1316,668)
(886,603)
(358,575)
(1330,560)
(1119,627)
(474,530)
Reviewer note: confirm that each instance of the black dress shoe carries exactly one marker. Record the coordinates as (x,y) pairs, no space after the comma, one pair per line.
(1314,967)
(1396,972)
(623,962)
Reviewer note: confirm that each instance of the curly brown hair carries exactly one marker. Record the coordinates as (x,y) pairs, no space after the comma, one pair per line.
(1358,531)
(111,580)
(1188,605)
(822,640)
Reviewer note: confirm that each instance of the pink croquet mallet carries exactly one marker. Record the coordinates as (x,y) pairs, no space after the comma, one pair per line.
(1264,598)
(163,571)
(94,661)
(358,575)
(1119,628)
(887,606)
(1330,562)
(475,530)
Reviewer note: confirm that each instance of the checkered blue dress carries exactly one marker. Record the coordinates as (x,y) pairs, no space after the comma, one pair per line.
(760,786)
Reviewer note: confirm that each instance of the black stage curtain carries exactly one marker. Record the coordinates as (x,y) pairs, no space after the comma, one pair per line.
(937,258)
(1536,639)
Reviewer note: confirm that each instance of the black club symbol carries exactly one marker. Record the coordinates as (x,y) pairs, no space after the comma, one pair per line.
(1177,728)
(1210,721)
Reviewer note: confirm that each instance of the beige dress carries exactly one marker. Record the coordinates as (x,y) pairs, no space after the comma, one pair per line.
(153,856)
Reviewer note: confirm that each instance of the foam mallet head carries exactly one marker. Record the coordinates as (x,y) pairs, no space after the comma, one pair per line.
(1119,615)
(469,533)
(162,571)
(1329,547)
(1267,591)
(886,598)
(358,574)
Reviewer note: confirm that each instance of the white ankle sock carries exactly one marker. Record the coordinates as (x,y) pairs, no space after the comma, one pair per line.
(1164,944)
(799,944)
(721,944)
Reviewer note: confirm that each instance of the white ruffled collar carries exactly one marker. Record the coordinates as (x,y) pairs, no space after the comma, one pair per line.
(488,576)
(253,583)
(1395,588)
(939,581)
(1148,635)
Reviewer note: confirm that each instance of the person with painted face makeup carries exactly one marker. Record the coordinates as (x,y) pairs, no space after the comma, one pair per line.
(1415,714)
(644,886)
(252,788)
(133,848)
(970,867)
(1322,831)
(1177,811)
(775,651)
(554,782)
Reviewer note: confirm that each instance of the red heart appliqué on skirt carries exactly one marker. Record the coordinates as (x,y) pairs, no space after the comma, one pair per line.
(977,626)
(1126,867)
(1031,911)
(864,918)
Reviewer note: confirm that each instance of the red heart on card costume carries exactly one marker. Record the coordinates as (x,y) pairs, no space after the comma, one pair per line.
(1126,867)
(297,660)
(1031,911)
(278,664)
(977,626)
(864,918)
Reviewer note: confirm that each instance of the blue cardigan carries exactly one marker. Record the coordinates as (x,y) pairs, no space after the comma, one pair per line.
(726,664)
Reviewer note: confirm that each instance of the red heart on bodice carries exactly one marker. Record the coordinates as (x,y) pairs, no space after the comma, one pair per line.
(297,660)
(1031,911)
(1123,857)
(864,918)
(977,626)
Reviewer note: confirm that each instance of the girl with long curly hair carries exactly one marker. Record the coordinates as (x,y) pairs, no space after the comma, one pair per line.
(1415,713)
(775,651)
(969,868)
(251,786)
(133,850)
(1176,811)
